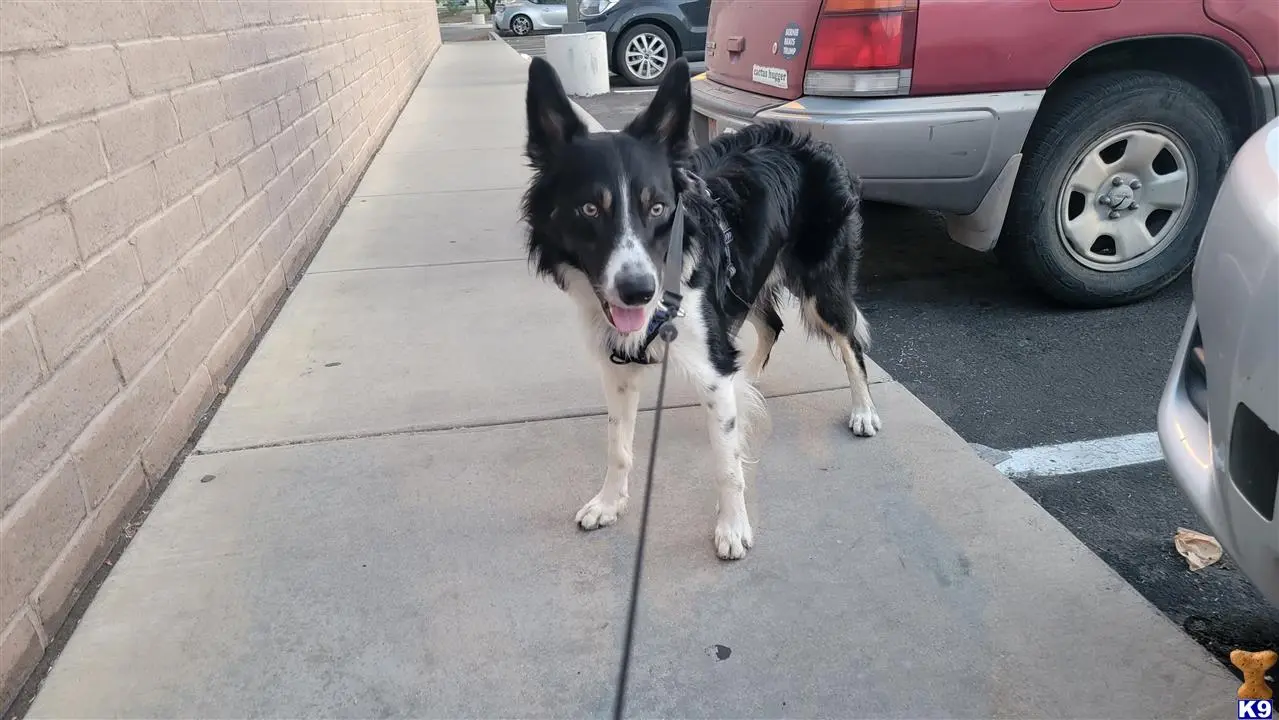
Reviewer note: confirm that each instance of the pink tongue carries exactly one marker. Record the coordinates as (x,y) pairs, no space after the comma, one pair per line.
(627,320)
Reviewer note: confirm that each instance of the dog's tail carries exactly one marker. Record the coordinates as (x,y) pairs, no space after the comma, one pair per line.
(861,329)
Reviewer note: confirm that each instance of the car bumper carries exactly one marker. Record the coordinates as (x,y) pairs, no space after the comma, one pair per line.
(1218,422)
(500,23)
(938,152)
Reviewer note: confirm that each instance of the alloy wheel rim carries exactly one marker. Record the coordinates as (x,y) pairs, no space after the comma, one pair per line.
(647,56)
(1127,197)
(520,25)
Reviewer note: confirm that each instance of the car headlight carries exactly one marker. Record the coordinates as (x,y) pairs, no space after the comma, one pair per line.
(589,8)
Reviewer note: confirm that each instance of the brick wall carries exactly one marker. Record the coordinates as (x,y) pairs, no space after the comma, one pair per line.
(165,169)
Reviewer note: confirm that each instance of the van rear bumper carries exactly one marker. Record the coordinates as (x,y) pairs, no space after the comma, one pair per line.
(938,152)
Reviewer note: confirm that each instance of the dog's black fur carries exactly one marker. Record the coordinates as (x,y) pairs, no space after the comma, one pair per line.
(789,202)
(766,210)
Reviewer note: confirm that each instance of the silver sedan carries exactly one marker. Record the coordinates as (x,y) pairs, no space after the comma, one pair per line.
(526,16)
(1219,416)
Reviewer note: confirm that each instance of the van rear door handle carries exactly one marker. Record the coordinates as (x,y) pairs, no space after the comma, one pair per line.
(735,44)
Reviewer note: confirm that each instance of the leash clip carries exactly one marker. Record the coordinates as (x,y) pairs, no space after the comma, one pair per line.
(667,330)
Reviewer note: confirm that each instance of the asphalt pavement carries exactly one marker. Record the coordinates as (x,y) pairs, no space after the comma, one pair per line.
(464,32)
(1008,370)
(532,45)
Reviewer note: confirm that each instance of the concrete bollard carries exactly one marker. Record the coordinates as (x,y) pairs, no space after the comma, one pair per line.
(581,60)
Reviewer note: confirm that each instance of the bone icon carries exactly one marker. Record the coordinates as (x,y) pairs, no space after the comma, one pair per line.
(1254,665)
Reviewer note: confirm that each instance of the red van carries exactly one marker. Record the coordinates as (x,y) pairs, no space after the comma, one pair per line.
(1083,141)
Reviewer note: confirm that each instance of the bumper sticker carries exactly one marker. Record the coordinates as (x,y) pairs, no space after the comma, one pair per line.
(791,41)
(770,76)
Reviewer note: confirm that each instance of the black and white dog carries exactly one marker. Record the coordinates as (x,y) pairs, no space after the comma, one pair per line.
(766,210)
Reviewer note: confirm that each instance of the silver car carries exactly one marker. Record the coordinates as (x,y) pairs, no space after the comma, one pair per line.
(526,16)
(1219,416)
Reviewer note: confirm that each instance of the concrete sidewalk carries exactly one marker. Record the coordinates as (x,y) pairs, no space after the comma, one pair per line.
(378,522)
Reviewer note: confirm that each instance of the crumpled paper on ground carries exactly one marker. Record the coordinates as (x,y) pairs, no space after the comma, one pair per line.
(1198,549)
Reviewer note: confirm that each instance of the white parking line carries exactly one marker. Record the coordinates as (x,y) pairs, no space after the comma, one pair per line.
(634,91)
(1083,456)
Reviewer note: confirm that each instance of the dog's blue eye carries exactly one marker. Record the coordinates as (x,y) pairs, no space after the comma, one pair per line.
(589,210)
(657,209)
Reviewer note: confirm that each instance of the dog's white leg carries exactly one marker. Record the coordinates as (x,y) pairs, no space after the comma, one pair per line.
(732,528)
(621,390)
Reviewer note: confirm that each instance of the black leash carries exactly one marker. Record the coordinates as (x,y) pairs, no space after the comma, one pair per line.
(671,298)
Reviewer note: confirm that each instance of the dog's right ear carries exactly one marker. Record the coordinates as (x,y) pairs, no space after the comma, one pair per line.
(552,124)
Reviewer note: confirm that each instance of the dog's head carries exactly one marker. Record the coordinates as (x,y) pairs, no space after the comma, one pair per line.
(603,203)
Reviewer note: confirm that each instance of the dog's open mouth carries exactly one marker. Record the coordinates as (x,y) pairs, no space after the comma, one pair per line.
(625,319)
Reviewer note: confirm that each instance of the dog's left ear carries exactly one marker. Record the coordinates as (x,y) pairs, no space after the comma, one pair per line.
(668,116)
(552,123)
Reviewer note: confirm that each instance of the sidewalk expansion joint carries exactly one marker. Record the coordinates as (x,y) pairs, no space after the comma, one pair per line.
(426,429)
(406,266)
(439,192)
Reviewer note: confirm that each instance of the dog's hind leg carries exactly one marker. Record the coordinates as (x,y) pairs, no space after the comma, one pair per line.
(621,390)
(844,324)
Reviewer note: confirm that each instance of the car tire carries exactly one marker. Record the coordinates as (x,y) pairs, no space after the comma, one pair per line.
(647,39)
(521,25)
(1086,247)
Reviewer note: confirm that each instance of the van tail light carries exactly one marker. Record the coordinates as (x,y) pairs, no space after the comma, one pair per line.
(862,47)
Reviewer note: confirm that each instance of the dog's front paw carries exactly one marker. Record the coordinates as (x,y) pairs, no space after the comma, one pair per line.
(733,536)
(865,422)
(600,512)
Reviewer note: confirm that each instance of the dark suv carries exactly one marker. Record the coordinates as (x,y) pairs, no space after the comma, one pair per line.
(646,36)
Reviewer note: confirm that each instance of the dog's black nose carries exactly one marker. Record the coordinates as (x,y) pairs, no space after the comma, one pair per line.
(636,288)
